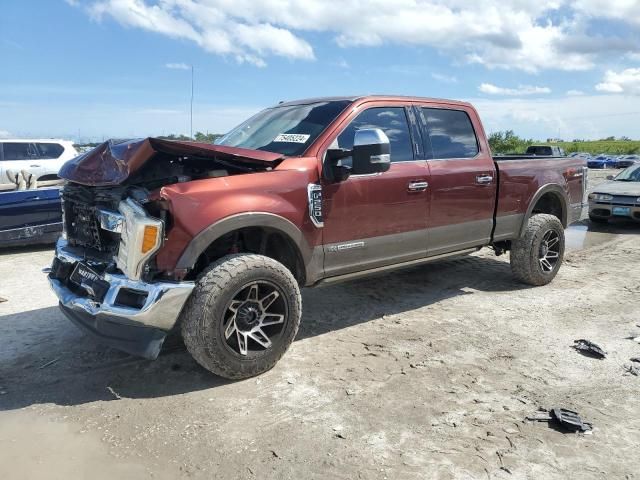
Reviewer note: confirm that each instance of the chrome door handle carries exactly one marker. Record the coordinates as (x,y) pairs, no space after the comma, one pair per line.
(417,186)
(484,179)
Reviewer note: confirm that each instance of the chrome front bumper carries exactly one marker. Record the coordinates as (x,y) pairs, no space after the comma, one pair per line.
(123,327)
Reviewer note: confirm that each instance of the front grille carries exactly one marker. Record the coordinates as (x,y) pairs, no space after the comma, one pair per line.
(82,225)
(81,221)
(620,200)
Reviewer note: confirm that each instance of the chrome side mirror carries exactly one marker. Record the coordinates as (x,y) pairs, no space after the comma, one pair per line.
(371,151)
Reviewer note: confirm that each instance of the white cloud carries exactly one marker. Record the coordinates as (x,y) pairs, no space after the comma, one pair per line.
(626,81)
(522,34)
(588,116)
(444,78)
(207,25)
(491,89)
(177,66)
(574,93)
(625,10)
(5,134)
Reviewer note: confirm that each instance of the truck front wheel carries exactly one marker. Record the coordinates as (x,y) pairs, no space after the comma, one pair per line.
(537,255)
(242,315)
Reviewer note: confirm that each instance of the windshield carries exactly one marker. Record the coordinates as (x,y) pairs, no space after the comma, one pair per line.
(288,129)
(631,174)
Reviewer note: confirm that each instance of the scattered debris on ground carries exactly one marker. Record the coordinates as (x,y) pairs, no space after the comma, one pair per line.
(632,369)
(2,299)
(589,348)
(563,419)
(48,364)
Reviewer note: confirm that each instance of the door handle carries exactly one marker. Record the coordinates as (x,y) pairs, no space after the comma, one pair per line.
(484,179)
(417,186)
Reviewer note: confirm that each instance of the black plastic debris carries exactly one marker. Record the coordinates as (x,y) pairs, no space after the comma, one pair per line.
(589,349)
(635,359)
(563,420)
(632,369)
(2,299)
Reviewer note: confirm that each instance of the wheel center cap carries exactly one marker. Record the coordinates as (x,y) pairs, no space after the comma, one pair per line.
(248,316)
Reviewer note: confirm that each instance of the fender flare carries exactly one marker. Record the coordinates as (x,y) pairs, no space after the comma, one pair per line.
(206,237)
(558,192)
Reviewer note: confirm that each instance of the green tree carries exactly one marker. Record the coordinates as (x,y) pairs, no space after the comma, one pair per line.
(508,142)
(206,137)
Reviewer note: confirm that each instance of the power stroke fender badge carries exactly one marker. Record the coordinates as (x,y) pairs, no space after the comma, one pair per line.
(314,194)
(345,246)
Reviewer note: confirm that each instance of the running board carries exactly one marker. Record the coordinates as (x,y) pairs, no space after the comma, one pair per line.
(396,266)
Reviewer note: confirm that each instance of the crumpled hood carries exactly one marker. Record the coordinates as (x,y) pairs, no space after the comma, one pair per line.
(619,188)
(112,162)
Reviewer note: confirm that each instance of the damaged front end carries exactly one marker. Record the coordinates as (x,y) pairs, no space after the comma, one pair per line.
(104,271)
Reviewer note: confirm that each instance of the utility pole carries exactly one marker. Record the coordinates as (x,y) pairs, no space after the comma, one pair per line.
(191,116)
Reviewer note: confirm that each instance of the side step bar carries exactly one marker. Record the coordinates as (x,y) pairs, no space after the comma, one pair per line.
(397,266)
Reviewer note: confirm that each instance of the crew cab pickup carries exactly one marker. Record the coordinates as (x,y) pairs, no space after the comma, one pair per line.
(217,240)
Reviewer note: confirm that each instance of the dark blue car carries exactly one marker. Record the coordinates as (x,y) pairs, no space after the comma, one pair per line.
(30,216)
(601,161)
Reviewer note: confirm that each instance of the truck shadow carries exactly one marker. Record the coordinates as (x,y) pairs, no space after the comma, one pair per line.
(47,360)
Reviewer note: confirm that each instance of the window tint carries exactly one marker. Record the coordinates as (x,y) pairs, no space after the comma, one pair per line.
(288,129)
(18,151)
(541,150)
(451,133)
(392,120)
(50,150)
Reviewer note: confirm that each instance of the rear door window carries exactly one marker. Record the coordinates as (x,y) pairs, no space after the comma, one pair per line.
(49,150)
(391,120)
(451,133)
(19,151)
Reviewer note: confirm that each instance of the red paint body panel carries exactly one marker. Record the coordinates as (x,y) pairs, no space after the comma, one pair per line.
(521,179)
(112,162)
(196,205)
(375,205)
(367,206)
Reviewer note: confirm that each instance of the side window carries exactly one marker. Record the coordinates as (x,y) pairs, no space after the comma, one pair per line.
(392,120)
(451,133)
(18,151)
(50,150)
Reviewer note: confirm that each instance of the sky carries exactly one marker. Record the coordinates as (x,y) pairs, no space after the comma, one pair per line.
(89,70)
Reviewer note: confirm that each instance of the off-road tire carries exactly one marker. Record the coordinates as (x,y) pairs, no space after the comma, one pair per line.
(525,250)
(598,219)
(205,310)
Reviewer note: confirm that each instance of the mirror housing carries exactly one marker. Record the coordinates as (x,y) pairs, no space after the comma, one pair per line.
(371,152)
(333,172)
(610,177)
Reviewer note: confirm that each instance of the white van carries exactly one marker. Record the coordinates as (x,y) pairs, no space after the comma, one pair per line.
(40,158)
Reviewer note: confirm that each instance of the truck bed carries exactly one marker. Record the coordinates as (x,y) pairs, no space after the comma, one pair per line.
(525,180)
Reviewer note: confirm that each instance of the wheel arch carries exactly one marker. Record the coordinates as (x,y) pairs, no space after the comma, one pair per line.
(551,199)
(306,257)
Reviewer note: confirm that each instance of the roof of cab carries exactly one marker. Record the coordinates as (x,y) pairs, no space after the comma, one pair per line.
(354,98)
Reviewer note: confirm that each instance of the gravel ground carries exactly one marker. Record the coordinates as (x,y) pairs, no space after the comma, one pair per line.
(426,373)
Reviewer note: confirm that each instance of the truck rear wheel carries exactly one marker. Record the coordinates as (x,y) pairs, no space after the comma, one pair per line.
(242,315)
(537,255)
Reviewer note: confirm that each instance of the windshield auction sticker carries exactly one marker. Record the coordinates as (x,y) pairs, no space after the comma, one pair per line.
(292,138)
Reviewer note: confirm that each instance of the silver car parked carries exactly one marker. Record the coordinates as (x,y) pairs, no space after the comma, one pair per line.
(619,197)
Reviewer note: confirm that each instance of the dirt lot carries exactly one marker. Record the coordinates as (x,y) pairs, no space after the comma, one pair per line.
(426,373)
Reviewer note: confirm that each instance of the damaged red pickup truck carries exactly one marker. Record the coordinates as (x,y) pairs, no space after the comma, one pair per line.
(217,240)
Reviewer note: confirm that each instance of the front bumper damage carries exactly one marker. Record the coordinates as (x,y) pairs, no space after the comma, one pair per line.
(138,330)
